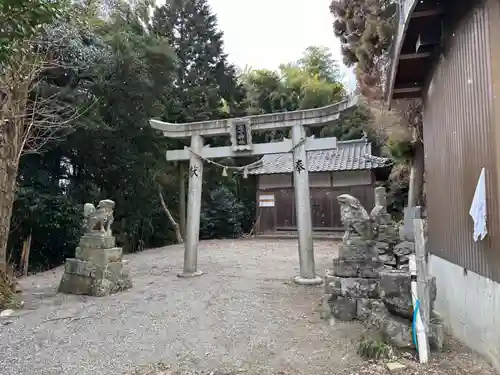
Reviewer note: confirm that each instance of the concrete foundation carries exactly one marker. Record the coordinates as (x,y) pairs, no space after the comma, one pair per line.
(468,304)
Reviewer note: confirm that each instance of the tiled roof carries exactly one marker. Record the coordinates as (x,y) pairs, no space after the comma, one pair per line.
(348,156)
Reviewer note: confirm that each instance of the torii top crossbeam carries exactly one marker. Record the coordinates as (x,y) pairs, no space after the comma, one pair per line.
(308,117)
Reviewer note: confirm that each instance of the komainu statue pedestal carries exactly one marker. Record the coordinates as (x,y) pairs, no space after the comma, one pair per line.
(365,286)
(97,268)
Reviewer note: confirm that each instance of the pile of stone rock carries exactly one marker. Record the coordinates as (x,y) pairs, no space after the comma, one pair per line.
(395,244)
(370,280)
(396,256)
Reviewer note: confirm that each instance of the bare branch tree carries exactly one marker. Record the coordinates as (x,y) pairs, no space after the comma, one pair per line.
(170,217)
(32,119)
(30,115)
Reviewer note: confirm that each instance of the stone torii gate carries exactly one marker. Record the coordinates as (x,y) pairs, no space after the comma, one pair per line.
(240,131)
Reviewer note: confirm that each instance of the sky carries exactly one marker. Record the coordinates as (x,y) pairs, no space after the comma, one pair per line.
(266,33)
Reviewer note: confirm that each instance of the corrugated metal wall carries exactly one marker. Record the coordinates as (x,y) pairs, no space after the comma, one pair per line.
(459,130)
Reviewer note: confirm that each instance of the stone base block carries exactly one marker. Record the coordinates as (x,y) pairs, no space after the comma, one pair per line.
(304,281)
(360,288)
(395,292)
(187,275)
(81,277)
(357,268)
(97,240)
(354,287)
(76,284)
(347,308)
(101,257)
(343,308)
(398,331)
(357,248)
(365,307)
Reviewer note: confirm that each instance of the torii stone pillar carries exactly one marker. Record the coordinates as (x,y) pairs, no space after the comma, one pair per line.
(240,130)
(195,187)
(303,209)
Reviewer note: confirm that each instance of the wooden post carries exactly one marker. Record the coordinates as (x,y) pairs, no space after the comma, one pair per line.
(422,279)
(25,255)
(303,209)
(193,210)
(182,198)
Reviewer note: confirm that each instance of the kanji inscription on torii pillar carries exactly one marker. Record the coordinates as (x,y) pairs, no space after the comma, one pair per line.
(240,130)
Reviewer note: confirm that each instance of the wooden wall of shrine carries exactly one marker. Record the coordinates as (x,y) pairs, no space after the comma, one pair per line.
(276,199)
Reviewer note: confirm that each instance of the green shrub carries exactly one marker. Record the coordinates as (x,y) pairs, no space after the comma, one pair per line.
(54,222)
(374,347)
(222,215)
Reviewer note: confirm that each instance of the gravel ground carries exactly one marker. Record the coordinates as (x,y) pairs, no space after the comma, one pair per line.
(243,316)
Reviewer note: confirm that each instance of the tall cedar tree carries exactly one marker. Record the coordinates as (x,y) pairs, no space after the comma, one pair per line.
(205,82)
(205,86)
(365,29)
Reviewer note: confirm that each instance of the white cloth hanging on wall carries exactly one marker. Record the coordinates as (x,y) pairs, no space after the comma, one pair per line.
(478,208)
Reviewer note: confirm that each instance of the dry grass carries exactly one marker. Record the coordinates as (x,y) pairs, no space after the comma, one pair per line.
(8,295)
(387,121)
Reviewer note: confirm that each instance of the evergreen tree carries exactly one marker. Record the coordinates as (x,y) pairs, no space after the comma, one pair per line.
(123,157)
(205,83)
(205,86)
(312,81)
(318,62)
(222,215)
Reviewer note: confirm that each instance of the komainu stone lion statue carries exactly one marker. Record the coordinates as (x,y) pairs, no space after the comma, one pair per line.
(99,219)
(354,217)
